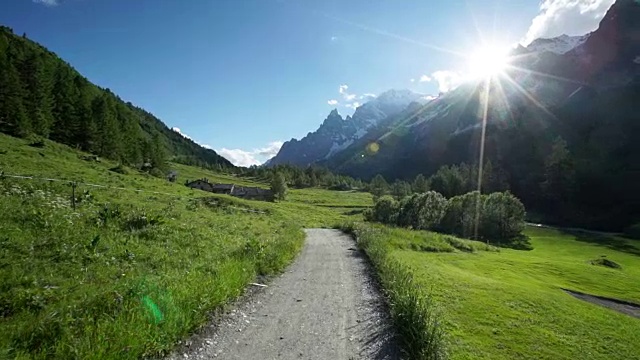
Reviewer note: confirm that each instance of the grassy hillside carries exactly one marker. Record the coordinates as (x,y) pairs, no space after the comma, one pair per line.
(138,264)
(509,304)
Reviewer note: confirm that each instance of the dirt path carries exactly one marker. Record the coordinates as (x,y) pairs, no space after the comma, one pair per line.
(614,304)
(325,306)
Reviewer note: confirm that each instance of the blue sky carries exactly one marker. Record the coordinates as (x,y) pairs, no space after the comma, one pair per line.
(241,76)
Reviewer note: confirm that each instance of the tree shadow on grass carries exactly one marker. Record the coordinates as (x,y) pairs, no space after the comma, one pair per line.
(613,243)
(520,242)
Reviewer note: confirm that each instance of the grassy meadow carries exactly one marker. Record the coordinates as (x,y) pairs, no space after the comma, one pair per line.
(509,304)
(129,273)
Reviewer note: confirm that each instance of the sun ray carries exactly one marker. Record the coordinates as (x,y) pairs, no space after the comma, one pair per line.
(550,76)
(391,35)
(485,114)
(529,96)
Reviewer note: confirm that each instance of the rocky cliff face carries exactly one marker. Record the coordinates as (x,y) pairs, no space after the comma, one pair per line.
(336,134)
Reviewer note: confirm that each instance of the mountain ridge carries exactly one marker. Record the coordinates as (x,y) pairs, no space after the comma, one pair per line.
(337,133)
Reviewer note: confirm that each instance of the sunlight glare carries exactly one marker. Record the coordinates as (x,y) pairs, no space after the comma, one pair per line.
(488,61)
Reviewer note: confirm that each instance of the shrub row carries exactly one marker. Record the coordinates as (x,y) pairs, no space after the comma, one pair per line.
(497,217)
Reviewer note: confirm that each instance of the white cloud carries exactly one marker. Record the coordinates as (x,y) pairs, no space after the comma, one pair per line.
(245,158)
(47,2)
(413,80)
(343,91)
(177,129)
(430,97)
(571,17)
(270,150)
(447,80)
(353,105)
(425,78)
(332,102)
(350,99)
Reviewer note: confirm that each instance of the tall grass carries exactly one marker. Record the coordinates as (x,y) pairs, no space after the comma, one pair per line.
(413,313)
(124,277)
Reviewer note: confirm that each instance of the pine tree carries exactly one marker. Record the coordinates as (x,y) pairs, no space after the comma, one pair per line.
(378,186)
(37,94)
(13,118)
(108,140)
(420,184)
(400,189)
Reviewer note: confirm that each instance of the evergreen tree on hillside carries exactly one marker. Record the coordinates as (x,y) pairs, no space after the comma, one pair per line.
(558,184)
(378,186)
(400,189)
(108,136)
(13,118)
(420,184)
(37,96)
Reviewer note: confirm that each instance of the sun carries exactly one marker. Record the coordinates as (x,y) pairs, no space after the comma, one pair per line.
(488,61)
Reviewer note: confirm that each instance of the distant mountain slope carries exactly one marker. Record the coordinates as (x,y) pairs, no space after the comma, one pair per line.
(40,94)
(336,134)
(578,108)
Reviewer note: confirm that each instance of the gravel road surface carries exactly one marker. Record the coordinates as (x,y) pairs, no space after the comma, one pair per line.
(325,306)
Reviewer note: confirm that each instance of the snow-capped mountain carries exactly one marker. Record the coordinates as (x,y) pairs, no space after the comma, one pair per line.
(336,134)
(558,45)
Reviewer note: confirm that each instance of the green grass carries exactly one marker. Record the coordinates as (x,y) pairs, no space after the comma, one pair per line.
(129,273)
(510,304)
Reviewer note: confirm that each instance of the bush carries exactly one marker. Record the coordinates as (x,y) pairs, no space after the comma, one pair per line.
(502,217)
(430,210)
(385,210)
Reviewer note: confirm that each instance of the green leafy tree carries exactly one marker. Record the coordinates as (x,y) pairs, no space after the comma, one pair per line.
(462,213)
(279,186)
(502,217)
(385,210)
(378,186)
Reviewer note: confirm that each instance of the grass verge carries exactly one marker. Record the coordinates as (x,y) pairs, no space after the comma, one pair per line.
(413,312)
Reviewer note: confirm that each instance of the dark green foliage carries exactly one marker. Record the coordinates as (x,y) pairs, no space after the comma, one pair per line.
(501,218)
(400,189)
(378,186)
(310,177)
(420,211)
(385,211)
(279,186)
(420,184)
(41,94)
(461,215)
(497,218)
